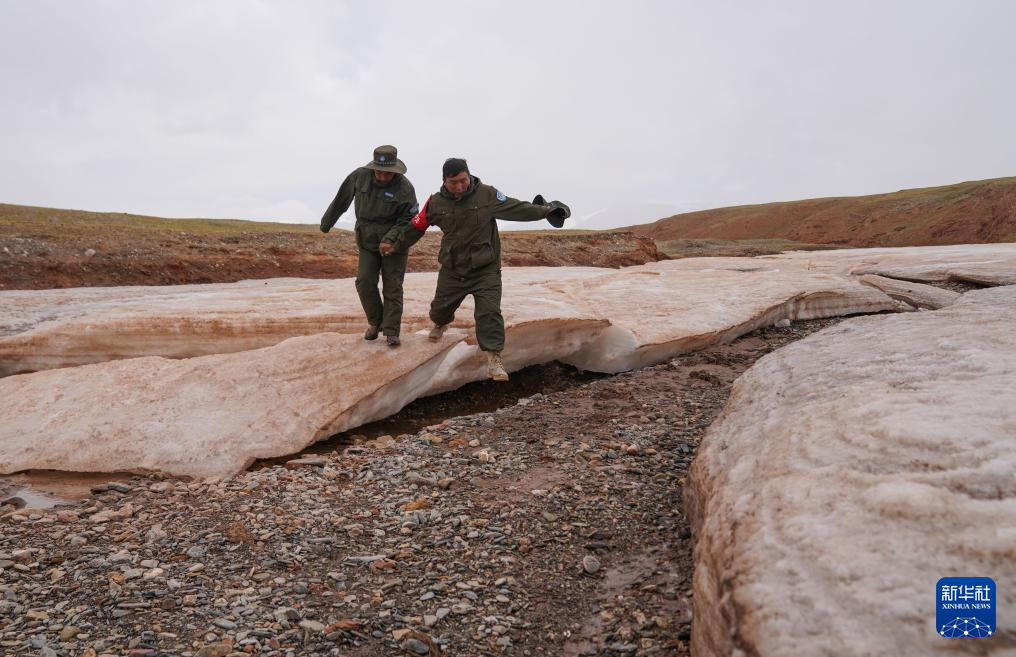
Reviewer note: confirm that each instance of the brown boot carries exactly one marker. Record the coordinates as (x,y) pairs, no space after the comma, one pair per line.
(495,367)
(393,341)
(436,331)
(372,332)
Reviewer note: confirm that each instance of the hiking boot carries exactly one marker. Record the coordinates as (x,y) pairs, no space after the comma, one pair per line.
(372,332)
(393,341)
(436,332)
(495,367)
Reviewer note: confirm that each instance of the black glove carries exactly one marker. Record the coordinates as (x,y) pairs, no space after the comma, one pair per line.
(539,200)
(558,214)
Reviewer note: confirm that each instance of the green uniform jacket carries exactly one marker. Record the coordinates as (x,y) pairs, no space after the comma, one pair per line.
(470,241)
(381,212)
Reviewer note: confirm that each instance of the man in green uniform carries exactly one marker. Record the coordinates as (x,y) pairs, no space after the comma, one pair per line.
(385,202)
(470,254)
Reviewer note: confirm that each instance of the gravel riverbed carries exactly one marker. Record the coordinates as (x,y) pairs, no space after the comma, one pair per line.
(553,526)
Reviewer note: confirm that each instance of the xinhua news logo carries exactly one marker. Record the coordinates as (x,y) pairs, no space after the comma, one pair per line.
(966,606)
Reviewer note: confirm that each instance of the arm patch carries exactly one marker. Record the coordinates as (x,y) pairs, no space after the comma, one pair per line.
(501,198)
(419,221)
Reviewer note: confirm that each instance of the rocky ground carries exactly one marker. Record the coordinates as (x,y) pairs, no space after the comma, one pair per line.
(552,525)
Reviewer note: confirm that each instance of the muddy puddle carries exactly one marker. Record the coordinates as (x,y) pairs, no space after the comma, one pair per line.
(25,498)
(45,489)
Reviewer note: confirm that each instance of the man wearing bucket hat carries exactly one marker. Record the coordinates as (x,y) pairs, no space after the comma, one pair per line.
(465,210)
(385,203)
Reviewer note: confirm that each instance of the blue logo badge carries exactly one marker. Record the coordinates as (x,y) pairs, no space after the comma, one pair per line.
(380,158)
(966,606)
(389,195)
(501,197)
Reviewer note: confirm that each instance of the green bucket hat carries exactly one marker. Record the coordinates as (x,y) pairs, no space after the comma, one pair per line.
(386,158)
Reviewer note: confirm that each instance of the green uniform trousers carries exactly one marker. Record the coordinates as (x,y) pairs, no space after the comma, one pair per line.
(392,269)
(485,286)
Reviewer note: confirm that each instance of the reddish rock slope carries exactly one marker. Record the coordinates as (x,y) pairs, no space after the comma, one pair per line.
(965,213)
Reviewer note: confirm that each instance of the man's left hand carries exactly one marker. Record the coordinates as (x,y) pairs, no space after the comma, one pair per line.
(558,214)
(386,249)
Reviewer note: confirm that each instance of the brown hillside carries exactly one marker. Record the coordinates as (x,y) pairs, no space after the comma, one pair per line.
(965,213)
(45,248)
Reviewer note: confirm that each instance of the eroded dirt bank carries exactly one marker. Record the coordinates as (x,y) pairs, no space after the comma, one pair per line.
(553,526)
(43,248)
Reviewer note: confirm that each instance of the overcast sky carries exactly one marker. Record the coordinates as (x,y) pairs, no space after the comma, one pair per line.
(627,111)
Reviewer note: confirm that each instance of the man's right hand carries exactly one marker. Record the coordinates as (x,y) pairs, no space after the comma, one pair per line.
(386,249)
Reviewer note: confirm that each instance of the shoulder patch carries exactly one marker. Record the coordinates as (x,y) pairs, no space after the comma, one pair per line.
(500,196)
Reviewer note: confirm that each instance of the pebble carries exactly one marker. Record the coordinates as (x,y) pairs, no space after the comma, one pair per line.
(69,632)
(120,557)
(307,462)
(416,647)
(156,534)
(22,556)
(591,564)
(311,625)
(215,650)
(622,648)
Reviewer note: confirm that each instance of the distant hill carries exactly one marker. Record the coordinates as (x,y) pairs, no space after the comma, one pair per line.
(965,213)
(50,248)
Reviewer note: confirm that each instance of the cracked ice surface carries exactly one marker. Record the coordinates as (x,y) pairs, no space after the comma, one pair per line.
(850,471)
(647,307)
(982,264)
(114,369)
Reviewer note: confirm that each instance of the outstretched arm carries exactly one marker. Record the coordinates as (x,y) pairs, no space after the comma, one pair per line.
(513,209)
(340,203)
